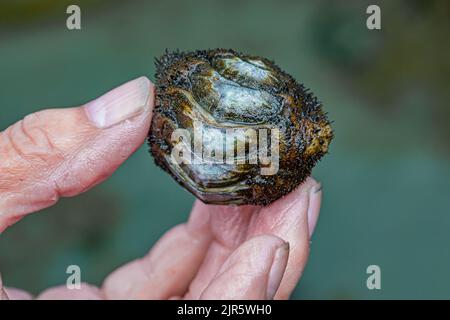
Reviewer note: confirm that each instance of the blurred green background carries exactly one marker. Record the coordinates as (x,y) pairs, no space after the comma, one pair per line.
(386,180)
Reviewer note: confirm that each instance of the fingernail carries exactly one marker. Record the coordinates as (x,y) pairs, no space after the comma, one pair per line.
(119,104)
(277,270)
(315,197)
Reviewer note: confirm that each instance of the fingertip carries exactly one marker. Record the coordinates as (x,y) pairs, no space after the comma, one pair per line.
(293,218)
(310,185)
(17,294)
(85,292)
(121,103)
(253,271)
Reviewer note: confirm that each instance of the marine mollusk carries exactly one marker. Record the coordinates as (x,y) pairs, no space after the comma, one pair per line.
(234,128)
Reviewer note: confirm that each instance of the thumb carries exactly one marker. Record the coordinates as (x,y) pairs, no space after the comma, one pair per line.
(63,152)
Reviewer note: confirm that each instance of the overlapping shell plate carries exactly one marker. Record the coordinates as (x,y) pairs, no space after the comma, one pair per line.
(234,128)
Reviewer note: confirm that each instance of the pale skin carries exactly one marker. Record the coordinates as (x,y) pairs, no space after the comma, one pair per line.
(221,252)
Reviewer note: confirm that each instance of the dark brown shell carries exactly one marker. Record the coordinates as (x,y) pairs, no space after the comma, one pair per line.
(223,89)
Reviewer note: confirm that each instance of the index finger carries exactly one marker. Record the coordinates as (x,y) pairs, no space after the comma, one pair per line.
(291,218)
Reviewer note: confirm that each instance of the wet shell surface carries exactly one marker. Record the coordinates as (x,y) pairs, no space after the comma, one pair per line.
(234,128)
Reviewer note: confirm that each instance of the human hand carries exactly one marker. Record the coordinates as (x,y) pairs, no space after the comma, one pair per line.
(222,252)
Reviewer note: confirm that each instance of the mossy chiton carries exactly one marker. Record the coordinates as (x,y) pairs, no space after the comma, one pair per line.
(234,128)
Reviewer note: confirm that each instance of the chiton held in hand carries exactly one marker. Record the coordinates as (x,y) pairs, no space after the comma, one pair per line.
(234,128)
